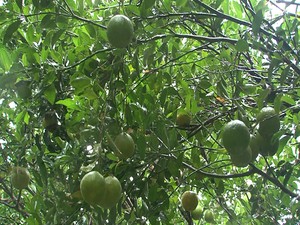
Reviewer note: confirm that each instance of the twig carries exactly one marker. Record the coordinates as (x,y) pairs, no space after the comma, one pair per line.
(84,59)
(81,18)
(274,181)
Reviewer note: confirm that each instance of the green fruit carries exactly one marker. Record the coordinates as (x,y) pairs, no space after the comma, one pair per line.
(20,177)
(125,144)
(183,120)
(119,31)
(113,192)
(189,200)
(50,121)
(23,89)
(92,187)
(197,213)
(236,136)
(243,158)
(209,216)
(254,145)
(268,121)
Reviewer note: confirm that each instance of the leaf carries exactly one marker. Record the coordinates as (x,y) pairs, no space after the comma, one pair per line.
(262,96)
(257,21)
(50,94)
(242,45)
(11,29)
(145,8)
(48,21)
(69,103)
(147,4)
(80,83)
(288,99)
(5,59)
(20,4)
(56,36)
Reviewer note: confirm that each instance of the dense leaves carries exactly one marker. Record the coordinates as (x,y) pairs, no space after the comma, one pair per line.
(216,60)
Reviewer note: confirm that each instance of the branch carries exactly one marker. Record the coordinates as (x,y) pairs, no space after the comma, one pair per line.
(13,199)
(288,2)
(190,36)
(278,39)
(81,18)
(214,175)
(209,121)
(84,59)
(207,39)
(274,181)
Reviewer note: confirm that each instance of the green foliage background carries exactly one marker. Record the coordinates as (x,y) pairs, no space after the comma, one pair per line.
(217,59)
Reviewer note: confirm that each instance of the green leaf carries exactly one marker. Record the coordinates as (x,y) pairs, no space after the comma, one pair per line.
(56,36)
(145,8)
(11,29)
(147,4)
(50,94)
(262,96)
(288,99)
(80,83)
(48,22)
(5,59)
(257,21)
(242,45)
(20,4)
(69,103)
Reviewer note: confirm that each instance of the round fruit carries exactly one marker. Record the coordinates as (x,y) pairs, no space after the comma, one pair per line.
(183,120)
(125,144)
(20,177)
(236,136)
(209,216)
(50,121)
(254,145)
(92,187)
(189,200)
(269,122)
(243,158)
(23,89)
(197,213)
(113,192)
(119,31)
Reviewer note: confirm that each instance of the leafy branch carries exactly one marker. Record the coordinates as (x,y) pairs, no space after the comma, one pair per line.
(274,181)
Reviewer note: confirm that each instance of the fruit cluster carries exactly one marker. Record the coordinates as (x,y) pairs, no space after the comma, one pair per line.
(189,202)
(97,190)
(244,147)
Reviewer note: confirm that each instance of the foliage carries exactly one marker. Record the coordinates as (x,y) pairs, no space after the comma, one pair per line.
(218,60)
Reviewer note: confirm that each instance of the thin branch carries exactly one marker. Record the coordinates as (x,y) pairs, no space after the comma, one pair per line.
(214,175)
(190,36)
(84,59)
(278,39)
(274,181)
(288,2)
(81,18)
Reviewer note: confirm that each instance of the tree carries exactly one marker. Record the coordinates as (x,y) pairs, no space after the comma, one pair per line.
(216,60)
